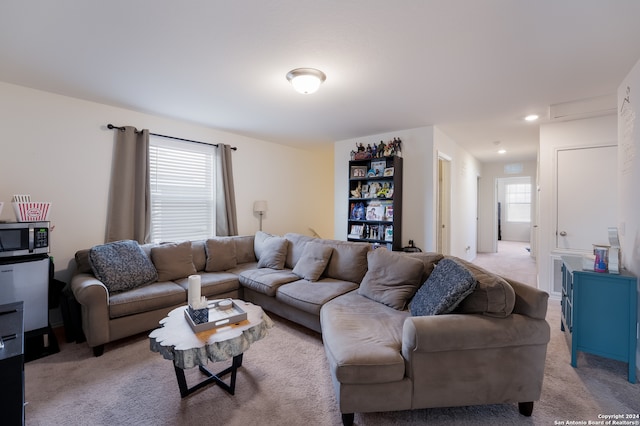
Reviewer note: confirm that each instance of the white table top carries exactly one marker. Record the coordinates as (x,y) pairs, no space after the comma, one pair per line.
(176,341)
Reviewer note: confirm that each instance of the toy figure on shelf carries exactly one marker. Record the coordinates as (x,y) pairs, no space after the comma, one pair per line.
(380,149)
(385,191)
(388,149)
(362,153)
(357,193)
(397,143)
(373,190)
(359,212)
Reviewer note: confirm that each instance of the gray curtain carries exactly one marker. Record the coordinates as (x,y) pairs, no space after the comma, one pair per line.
(226,214)
(129,209)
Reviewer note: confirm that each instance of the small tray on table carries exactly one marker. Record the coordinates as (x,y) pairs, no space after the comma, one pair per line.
(218,317)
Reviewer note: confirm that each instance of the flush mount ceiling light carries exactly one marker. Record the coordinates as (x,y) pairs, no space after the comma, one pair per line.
(306,80)
(532,117)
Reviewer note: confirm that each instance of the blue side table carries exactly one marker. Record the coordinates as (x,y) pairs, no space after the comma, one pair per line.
(599,311)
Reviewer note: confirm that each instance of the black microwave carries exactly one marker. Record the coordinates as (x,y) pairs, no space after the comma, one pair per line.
(24,238)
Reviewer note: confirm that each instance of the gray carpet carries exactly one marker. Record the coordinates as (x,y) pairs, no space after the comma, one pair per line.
(284,381)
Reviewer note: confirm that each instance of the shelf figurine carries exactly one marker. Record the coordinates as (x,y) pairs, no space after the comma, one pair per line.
(357,193)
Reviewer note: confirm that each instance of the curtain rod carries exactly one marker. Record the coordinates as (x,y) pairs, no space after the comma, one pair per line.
(111,126)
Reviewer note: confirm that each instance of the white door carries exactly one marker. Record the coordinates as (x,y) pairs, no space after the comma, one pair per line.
(587,193)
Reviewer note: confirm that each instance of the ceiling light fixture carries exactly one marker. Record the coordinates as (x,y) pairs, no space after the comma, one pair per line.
(502,151)
(532,117)
(306,80)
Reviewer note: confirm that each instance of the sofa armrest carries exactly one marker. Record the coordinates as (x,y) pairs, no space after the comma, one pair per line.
(93,297)
(529,300)
(458,332)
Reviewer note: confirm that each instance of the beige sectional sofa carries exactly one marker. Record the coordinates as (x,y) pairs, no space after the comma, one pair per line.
(384,355)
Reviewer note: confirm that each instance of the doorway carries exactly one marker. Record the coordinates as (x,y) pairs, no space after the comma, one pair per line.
(443,209)
(514,208)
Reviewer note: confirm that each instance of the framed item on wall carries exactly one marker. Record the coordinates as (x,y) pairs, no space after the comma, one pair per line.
(388,171)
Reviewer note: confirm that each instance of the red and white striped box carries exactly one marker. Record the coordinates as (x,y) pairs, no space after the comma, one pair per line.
(31,211)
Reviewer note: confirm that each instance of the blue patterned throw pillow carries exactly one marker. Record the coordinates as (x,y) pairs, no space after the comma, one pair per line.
(446,287)
(122,265)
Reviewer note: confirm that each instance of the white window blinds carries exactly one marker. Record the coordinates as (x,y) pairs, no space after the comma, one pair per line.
(182,190)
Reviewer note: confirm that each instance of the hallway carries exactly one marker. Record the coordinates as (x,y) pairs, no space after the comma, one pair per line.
(512,260)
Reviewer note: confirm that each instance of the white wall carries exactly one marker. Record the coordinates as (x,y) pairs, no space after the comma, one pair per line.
(58,149)
(575,133)
(420,149)
(629,175)
(465,171)
(417,183)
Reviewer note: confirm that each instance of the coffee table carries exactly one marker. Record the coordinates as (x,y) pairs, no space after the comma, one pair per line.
(176,341)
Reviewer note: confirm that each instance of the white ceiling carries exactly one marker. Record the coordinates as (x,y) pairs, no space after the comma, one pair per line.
(473,67)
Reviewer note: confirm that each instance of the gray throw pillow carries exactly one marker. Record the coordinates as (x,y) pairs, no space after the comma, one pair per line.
(221,254)
(173,260)
(259,241)
(392,278)
(273,253)
(446,287)
(313,261)
(122,265)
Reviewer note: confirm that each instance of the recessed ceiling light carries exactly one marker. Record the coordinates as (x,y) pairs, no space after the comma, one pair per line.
(502,151)
(532,117)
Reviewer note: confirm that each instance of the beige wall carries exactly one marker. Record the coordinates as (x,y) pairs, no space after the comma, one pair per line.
(57,149)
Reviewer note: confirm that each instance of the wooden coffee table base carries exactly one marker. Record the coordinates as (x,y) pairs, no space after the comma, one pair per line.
(211,378)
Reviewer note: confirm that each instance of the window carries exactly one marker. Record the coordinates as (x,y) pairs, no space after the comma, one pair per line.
(182,190)
(518,202)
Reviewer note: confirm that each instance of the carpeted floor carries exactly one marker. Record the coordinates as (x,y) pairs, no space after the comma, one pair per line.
(284,381)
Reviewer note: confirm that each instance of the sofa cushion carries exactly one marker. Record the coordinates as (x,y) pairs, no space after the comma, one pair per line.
(122,265)
(173,260)
(266,280)
(448,284)
(158,295)
(309,296)
(198,254)
(313,261)
(363,339)
(429,260)
(493,295)
(348,261)
(245,251)
(274,253)
(83,265)
(297,243)
(392,278)
(221,254)
(213,284)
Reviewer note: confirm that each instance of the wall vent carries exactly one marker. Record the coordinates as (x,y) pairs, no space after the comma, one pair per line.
(585,108)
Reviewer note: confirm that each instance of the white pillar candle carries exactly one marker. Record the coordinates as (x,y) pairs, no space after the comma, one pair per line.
(194,290)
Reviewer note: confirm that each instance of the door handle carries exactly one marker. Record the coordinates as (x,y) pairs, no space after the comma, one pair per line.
(563,233)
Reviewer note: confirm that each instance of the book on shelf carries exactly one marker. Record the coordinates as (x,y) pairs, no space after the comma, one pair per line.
(356,231)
